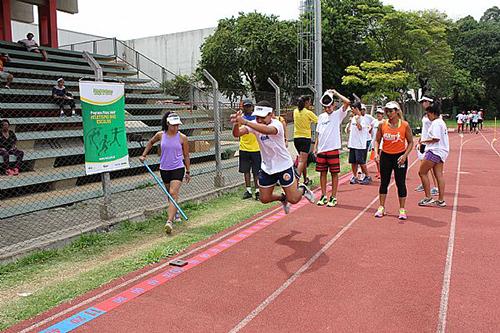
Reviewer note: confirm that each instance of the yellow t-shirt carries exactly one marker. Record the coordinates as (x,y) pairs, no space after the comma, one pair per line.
(302,123)
(248,142)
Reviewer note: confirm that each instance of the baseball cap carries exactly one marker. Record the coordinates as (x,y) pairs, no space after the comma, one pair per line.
(363,106)
(247,102)
(392,105)
(327,98)
(379,110)
(425,98)
(174,119)
(261,111)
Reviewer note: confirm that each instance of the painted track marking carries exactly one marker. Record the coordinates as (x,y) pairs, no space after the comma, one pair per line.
(490,143)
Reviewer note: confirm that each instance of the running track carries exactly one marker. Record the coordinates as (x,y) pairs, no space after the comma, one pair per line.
(326,269)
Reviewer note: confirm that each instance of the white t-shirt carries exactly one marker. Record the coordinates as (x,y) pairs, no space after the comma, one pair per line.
(426,124)
(460,118)
(438,130)
(357,138)
(368,119)
(475,118)
(275,155)
(328,130)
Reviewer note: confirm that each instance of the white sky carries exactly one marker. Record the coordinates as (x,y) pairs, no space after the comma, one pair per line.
(127,19)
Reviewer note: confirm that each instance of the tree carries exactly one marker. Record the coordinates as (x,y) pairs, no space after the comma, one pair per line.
(249,49)
(180,87)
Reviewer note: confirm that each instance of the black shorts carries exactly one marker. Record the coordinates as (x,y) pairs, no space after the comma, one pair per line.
(357,156)
(284,178)
(303,145)
(479,121)
(249,160)
(168,175)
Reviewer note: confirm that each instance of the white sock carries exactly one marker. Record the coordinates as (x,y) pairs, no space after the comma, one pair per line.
(249,190)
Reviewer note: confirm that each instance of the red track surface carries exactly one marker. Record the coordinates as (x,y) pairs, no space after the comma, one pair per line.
(377,275)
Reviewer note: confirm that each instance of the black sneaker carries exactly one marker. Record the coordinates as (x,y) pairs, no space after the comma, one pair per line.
(257,196)
(247,195)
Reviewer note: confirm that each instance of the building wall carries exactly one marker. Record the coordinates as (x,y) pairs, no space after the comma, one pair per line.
(20,30)
(178,52)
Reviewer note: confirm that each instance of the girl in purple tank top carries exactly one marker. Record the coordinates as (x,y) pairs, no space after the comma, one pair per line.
(174,160)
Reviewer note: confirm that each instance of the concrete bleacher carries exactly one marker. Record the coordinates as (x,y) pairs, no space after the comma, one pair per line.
(52,172)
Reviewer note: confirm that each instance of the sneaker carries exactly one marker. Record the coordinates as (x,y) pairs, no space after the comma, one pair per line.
(366,181)
(247,195)
(332,202)
(15,171)
(73,113)
(308,181)
(307,193)
(9,172)
(419,188)
(257,196)
(440,203)
(286,205)
(426,202)
(62,115)
(402,214)
(353,180)
(168,227)
(7,87)
(177,218)
(380,212)
(434,191)
(323,201)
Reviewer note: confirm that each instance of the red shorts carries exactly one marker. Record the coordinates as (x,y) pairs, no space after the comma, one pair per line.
(328,160)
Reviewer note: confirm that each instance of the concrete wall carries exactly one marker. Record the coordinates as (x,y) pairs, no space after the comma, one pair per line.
(20,29)
(178,52)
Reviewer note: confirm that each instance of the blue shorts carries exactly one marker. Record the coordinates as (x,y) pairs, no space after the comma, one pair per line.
(284,178)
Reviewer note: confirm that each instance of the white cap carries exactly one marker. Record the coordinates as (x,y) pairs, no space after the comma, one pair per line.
(425,98)
(363,106)
(174,119)
(392,105)
(379,110)
(261,111)
(60,79)
(329,94)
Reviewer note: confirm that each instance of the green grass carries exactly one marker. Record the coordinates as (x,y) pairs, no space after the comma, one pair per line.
(89,251)
(487,123)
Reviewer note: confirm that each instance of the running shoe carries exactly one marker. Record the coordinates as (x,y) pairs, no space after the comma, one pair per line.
(402,214)
(323,201)
(247,195)
(177,218)
(332,202)
(286,205)
(308,194)
(434,191)
(426,202)
(440,203)
(308,181)
(168,227)
(353,180)
(15,171)
(419,188)
(380,212)
(366,181)
(257,196)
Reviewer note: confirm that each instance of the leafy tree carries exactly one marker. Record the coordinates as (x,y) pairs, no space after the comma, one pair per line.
(180,86)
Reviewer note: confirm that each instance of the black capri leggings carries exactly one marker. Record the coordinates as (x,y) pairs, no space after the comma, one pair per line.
(389,162)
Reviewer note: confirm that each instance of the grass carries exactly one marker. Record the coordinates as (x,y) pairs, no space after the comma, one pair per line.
(58,275)
(487,123)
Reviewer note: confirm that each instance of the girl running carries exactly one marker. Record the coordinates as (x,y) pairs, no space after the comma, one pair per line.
(277,164)
(436,151)
(174,160)
(302,119)
(397,145)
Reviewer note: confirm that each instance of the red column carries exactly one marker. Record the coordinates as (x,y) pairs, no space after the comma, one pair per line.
(5,22)
(47,24)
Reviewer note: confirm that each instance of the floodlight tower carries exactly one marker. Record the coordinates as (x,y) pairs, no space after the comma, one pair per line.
(309,56)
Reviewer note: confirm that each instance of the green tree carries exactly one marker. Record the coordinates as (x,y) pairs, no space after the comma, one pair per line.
(180,86)
(249,49)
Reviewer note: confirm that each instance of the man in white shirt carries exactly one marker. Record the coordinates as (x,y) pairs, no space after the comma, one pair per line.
(328,144)
(358,132)
(460,121)
(277,164)
(31,46)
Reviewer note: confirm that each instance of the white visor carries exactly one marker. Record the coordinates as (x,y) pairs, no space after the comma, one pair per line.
(261,111)
(174,119)
(425,98)
(391,105)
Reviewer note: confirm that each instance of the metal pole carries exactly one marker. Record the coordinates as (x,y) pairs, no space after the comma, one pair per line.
(219,178)
(115,48)
(278,95)
(318,77)
(105,208)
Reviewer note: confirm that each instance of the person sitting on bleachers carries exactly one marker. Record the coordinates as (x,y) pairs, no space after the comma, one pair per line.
(61,97)
(31,46)
(8,147)
(4,58)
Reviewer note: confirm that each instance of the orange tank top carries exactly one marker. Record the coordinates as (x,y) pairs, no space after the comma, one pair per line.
(394,139)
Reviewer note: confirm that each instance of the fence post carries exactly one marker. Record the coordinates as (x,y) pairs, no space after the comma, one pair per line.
(219,178)
(277,94)
(94,47)
(106,211)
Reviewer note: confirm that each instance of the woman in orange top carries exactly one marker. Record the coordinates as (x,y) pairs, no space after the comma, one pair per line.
(397,144)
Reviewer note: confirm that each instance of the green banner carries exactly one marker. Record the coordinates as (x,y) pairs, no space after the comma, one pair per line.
(104,135)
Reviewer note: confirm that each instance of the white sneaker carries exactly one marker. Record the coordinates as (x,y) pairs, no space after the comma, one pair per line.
(177,218)
(308,194)
(434,191)
(419,188)
(168,227)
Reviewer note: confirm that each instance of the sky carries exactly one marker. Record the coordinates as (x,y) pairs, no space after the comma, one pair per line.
(128,19)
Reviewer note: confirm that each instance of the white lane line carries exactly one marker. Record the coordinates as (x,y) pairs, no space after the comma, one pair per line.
(443,306)
(302,269)
(490,143)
